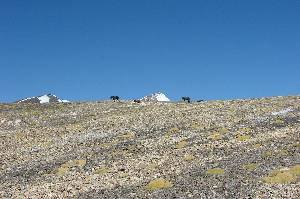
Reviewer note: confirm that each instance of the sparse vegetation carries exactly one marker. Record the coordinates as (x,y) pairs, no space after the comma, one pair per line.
(101,170)
(189,157)
(123,149)
(250,166)
(181,144)
(283,176)
(158,184)
(242,138)
(215,171)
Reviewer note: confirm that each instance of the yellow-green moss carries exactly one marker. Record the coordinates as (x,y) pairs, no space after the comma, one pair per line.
(151,167)
(256,145)
(215,171)
(250,167)
(79,163)
(128,135)
(159,183)
(109,144)
(181,144)
(295,170)
(245,129)
(283,176)
(242,138)
(123,174)
(215,136)
(267,154)
(172,131)
(280,178)
(283,152)
(64,168)
(296,145)
(279,121)
(188,157)
(195,125)
(223,130)
(101,170)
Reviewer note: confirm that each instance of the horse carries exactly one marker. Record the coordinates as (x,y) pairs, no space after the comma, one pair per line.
(137,101)
(115,98)
(188,99)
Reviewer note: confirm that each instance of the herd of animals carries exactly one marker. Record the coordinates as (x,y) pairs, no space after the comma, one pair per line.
(117,98)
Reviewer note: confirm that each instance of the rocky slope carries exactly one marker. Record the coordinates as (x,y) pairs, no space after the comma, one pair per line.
(213,149)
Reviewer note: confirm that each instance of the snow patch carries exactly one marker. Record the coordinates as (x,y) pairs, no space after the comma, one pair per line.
(160,97)
(63,101)
(44,99)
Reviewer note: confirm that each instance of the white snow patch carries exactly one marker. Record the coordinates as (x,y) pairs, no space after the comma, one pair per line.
(282,112)
(161,97)
(63,101)
(44,99)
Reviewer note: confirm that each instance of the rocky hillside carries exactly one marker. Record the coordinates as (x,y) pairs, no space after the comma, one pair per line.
(213,149)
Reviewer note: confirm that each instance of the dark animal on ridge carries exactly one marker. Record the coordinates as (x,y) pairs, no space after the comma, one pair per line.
(137,101)
(188,99)
(115,98)
(200,100)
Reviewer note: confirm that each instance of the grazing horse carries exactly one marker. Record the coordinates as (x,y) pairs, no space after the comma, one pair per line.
(115,98)
(137,101)
(188,99)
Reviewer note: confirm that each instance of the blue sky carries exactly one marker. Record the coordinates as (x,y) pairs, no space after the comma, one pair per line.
(90,50)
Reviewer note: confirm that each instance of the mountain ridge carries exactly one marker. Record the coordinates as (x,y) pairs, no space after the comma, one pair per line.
(42,99)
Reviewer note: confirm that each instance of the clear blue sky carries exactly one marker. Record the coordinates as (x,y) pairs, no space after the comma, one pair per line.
(89,50)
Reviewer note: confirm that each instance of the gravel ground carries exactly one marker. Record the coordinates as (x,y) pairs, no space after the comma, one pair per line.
(214,149)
